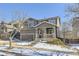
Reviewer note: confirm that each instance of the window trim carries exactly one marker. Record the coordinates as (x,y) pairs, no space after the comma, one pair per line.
(49,30)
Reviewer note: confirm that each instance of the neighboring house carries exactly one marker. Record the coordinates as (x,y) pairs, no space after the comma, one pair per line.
(42,30)
(2,27)
(5,30)
(5,27)
(75,26)
(9,28)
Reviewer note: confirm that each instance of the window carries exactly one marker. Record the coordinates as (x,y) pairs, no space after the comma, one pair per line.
(25,23)
(49,30)
(52,21)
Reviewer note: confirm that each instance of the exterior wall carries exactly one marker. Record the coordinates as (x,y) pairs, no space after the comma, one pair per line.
(55,21)
(32,22)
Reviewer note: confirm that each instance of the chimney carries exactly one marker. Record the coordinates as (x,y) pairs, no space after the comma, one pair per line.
(58,21)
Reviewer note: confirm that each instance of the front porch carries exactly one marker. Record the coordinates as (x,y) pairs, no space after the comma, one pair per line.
(45,32)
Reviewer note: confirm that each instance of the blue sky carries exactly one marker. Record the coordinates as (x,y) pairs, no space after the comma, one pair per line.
(33,10)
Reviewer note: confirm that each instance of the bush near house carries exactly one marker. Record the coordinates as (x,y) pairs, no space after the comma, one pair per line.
(56,42)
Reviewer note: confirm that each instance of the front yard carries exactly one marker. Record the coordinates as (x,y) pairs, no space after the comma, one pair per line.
(38,49)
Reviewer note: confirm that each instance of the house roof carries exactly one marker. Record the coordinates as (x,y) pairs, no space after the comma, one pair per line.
(44,22)
(49,18)
(30,18)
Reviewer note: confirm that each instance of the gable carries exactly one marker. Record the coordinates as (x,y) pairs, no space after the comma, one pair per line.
(44,24)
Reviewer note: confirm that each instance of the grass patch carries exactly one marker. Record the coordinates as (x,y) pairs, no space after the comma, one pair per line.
(56,42)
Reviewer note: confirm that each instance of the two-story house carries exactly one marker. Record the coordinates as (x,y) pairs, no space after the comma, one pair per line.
(42,29)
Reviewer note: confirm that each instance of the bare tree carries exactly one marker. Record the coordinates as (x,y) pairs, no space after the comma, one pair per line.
(67,30)
(72,11)
(67,26)
(18,16)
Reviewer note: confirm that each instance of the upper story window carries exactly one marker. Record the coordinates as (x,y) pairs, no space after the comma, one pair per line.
(30,24)
(25,23)
(52,21)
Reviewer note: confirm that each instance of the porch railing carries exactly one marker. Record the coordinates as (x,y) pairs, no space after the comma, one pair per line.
(47,36)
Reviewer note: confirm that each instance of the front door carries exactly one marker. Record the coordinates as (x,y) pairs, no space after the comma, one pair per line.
(40,33)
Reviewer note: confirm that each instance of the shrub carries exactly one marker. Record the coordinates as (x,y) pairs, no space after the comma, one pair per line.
(56,42)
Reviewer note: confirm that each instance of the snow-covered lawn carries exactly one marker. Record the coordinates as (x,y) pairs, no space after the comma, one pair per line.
(30,52)
(53,47)
(3,47)
(33,52)
(47,46)
(4,53)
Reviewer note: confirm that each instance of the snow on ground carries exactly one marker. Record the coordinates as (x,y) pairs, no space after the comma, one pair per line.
(3,47)
(3,54)
(31,52)
(53,47)
(18,42)
(27,52)
(6,54)
(74,46)
(23,43)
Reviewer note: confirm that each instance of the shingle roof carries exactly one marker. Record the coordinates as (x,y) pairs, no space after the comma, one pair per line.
(46,23)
